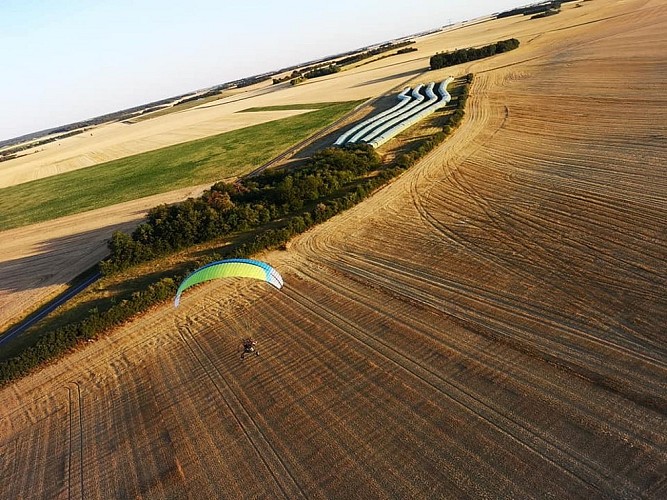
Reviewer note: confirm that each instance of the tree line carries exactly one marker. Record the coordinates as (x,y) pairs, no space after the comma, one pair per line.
(374,52)
(444,59)
(546,13)
(533,9)
(298,76)
(247,204)
(61,340)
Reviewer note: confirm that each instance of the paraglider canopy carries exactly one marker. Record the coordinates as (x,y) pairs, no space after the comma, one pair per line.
(229,268)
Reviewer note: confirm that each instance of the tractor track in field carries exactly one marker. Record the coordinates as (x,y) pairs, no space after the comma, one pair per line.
(572,360)
(488,358)
(325,424)
(498,261)
(478,293)
(262,446)
(485,298)
(75,486)
(526,437)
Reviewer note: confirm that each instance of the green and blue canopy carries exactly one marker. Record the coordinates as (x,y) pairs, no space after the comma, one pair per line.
(230,268)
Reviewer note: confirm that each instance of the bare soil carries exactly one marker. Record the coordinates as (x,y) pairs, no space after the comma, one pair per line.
(491,324)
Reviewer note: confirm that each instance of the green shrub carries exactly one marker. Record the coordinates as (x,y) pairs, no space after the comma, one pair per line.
(444,59)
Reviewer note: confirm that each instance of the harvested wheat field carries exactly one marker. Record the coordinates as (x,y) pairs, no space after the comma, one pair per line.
(119,140)
(37,261)
(489,325)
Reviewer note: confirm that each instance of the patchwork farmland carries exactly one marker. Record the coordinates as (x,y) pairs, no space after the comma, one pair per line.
(490,324)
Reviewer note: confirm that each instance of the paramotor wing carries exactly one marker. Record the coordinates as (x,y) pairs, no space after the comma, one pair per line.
(229,268)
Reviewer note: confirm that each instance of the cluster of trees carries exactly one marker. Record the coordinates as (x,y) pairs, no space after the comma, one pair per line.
(533,9)
(298,76)
(444,59)
(295,74)
(297,80)
(546,13)
(277,205)
(247,204)
(322,71)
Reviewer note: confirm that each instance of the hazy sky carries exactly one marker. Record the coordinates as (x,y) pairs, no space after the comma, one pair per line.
(68,60)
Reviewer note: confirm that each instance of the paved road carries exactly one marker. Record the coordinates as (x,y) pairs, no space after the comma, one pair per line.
(48,308)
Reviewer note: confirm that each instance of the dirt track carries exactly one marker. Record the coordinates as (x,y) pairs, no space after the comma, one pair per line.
(489,325)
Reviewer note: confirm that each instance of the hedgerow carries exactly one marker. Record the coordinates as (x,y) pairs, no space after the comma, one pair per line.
(444,59)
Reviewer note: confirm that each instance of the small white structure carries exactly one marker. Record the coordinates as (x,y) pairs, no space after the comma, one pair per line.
(425,104)
(403,97)
(399,127)
(416,99)
(380,128)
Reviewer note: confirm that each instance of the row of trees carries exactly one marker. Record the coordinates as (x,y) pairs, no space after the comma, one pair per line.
(406,50)
(444,59)
(298,76)
(315,73)
(66,338)
(275,197)
(546,13)
(241,206)
(276,206)
(386,47)
(533,9)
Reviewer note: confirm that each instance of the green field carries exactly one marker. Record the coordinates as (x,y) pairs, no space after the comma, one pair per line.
(204,160)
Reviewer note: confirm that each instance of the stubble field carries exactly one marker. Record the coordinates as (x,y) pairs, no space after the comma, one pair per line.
(489,325)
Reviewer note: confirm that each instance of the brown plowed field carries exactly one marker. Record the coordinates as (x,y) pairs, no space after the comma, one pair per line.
(492,324)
